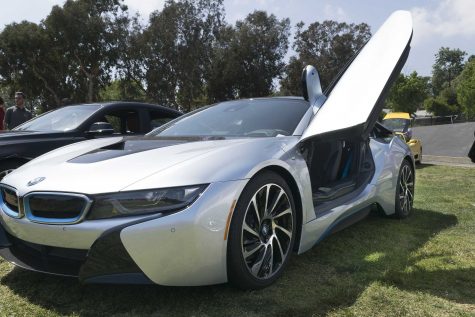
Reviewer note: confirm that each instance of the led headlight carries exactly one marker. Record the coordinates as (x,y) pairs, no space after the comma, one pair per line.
(143,202)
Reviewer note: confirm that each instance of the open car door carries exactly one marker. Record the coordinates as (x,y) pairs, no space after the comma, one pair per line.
(358,97)
(335,144)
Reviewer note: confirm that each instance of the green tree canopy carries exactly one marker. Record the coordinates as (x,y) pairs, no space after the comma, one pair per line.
(250,57)
(85,34)
(328,46)
(408,93)
(448,65)
(466,88)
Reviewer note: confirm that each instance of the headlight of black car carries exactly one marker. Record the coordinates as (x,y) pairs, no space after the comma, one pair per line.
(144,202)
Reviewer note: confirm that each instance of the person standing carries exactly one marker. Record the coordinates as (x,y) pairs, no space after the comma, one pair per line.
(2,113)
(471,153)
(17,114)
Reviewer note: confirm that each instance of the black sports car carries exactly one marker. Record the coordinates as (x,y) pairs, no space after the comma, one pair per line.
(76,123)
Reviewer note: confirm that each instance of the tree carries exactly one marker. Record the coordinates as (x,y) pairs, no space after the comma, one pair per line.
(172,54)
(448,65)
(444,104)
(328,46)
(26,62)
(85,33)
(408,93)
(466,88)
(122,90)
(250,57)
(70,54)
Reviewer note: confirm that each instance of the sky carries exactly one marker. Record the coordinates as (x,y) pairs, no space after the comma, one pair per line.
(437,23)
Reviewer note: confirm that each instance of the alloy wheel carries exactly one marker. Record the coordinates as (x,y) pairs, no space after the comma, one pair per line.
(267,231)
(406,189)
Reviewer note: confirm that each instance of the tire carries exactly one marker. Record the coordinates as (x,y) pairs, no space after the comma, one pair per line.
(419,161)
(260,243)
(405,190)
(6,167)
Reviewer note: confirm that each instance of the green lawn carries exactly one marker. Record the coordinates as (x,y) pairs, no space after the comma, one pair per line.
(421,266)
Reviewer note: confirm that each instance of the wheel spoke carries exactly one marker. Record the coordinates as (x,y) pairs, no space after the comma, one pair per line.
(256,209)
(279,196)
(248,253)
(287,232)
(256,267)
(280,247)
(267,200)
(285,212)
(270,261)
(249,229)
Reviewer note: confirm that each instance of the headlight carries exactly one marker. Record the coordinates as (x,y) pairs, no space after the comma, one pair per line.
(143,202)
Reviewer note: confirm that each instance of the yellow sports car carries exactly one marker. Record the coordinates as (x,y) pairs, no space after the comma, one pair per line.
(400,123)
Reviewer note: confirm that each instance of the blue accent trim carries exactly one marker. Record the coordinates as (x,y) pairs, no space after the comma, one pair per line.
(5,208)
(55,221)
(336,223)
(346,170)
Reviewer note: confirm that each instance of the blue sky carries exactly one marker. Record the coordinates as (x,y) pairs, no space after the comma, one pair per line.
(436,22)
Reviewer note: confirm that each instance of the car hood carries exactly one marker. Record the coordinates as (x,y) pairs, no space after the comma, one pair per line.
(115,164)
(14,136)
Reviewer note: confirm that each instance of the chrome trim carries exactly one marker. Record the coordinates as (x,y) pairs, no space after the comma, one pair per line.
(6,209)
(56,221)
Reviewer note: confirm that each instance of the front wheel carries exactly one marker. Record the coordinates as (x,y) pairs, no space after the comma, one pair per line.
(262,232)
(405,190)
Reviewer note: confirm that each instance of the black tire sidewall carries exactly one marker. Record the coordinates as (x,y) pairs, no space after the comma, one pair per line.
(238,273)
(399,213)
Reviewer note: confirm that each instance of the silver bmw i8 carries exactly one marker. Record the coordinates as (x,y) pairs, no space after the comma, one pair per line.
(225,193)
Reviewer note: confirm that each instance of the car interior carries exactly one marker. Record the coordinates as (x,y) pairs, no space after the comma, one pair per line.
(339,167)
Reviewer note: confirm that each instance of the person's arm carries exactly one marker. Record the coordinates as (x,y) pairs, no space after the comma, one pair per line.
(6,123)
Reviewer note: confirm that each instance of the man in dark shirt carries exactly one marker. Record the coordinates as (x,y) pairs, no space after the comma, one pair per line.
(17,114)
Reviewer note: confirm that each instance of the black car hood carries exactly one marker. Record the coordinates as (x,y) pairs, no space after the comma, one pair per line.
(132,145)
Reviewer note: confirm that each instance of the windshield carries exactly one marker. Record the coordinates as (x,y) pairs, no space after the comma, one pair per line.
(249,118)
(397,124)
(63,119)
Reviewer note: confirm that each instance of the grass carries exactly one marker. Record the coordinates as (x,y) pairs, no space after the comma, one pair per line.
(421,266)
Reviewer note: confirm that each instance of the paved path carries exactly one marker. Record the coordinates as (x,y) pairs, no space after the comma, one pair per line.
(453,140)
(447,160)
(446,144)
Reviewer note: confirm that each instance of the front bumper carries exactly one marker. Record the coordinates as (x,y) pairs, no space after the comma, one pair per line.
(106,262)
(184,248)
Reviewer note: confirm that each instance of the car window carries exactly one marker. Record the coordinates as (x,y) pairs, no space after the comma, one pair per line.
(63,119)
(397,124)
(114,121)
(158,119)
(249,118)
(123,121)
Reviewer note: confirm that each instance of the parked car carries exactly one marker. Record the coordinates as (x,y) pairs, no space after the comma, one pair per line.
(76,123)
(225,193)
(400,123)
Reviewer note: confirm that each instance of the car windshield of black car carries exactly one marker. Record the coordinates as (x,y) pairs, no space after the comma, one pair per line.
(63,119)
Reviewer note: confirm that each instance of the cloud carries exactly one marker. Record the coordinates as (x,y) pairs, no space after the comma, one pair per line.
(144,8)
(449,18)
(335,13)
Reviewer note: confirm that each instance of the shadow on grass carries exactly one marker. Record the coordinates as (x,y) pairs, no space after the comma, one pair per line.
(423,165)
(331,275)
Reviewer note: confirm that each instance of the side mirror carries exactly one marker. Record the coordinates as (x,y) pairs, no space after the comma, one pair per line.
(100,128)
